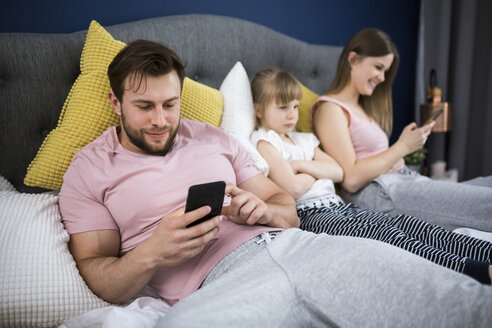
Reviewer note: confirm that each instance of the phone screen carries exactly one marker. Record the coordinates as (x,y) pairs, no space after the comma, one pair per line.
(211,194)
(434,116)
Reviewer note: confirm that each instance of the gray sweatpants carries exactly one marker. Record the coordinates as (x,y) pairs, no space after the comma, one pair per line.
(301,279)
(447,204)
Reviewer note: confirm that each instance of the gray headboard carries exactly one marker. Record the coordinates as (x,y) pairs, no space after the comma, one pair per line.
(38,70)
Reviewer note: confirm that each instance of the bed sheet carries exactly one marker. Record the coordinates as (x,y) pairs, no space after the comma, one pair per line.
(143,311)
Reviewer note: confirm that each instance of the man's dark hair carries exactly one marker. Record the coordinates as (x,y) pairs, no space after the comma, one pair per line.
(142,58)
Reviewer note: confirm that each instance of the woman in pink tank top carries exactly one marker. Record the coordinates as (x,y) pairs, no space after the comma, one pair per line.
(353,121)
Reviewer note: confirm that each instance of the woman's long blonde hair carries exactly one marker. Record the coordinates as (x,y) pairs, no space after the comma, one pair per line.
(273,83)
(370,42)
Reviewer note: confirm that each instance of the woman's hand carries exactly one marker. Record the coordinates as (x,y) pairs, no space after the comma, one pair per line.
(413,137)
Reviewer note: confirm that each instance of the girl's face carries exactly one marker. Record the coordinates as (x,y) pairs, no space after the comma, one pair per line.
(368,72)
(281,118)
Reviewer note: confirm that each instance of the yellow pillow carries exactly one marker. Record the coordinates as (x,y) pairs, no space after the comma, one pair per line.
(87,111)
(308,99)
(200,102)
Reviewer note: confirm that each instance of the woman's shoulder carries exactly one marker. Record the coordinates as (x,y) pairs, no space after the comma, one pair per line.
(331,110)
(330,102)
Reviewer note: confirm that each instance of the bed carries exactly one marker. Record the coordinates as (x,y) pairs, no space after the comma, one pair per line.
(53,91)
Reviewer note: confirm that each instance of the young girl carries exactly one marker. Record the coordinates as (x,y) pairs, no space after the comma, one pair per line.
(353,121)
(299,166)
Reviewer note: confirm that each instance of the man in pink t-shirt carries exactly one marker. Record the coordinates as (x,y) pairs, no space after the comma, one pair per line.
(123,196)
(122,202)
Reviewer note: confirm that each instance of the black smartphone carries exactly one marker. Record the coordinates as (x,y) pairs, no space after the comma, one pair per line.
(211,194)
(434,116)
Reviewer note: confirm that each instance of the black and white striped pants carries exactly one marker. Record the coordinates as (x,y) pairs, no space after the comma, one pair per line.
(458,252)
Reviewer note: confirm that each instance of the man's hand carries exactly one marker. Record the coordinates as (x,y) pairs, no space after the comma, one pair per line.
(246,207)
(172,243)
(116,279)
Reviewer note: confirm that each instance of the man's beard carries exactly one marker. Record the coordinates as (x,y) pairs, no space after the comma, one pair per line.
(137,138)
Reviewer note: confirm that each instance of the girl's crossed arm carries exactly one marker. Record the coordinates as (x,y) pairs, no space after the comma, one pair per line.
(323,166)
(282,173)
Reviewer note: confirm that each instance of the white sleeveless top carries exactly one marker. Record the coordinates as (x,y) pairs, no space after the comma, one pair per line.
(303,149)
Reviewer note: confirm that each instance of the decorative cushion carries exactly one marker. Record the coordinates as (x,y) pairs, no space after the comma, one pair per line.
(87,111)
(40,285)
(5,185)
(238,118)
(308,99)
(200,102)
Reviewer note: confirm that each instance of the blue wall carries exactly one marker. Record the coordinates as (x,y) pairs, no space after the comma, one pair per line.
(316,21)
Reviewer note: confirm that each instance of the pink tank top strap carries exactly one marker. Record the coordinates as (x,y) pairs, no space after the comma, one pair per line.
(321,99)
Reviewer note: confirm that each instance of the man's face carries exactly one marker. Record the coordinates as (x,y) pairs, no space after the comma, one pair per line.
(150,114)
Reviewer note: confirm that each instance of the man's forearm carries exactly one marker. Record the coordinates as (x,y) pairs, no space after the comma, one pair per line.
(116,279)
(283,209)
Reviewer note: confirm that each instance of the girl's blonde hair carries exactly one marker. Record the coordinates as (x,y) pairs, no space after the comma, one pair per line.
(370,42)
(273,84)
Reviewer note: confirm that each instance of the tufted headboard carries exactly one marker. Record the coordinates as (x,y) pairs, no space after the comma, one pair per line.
(38,70)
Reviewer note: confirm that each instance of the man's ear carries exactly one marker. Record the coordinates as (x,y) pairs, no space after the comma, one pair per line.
(115,103)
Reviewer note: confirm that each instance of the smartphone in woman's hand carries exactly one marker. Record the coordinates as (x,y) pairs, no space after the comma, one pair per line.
(434,116)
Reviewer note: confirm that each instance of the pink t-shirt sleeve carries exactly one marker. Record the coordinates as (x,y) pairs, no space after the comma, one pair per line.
(244,167)
(80,209)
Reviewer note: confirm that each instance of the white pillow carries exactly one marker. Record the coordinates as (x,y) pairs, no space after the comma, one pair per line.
(39,281)
(5,185)
(238,118)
